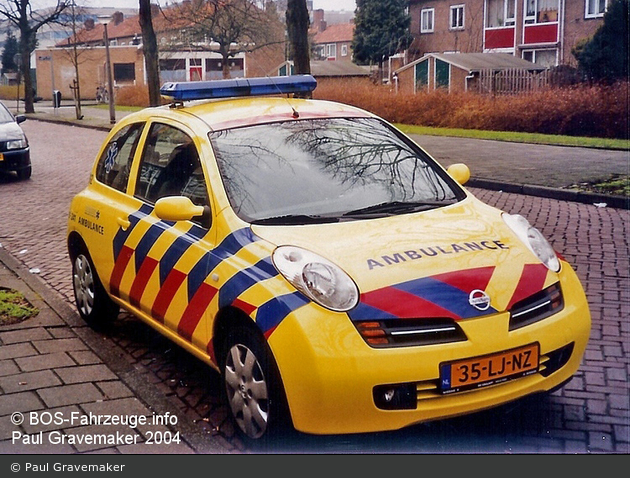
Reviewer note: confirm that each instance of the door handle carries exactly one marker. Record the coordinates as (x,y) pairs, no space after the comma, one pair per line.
(124,223)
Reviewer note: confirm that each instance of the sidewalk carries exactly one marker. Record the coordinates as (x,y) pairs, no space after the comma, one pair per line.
(50,372)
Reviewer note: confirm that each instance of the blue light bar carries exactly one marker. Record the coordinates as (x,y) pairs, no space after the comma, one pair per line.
(203,90)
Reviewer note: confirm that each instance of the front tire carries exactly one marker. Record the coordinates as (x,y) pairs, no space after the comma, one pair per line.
(93,303)
(253,387)
(24,174)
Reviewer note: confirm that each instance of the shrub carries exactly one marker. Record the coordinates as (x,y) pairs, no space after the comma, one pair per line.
(9,92)
(574,110)
(132,96)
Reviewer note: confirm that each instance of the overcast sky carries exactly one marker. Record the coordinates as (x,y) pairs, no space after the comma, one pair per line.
(348,5)
(334,5)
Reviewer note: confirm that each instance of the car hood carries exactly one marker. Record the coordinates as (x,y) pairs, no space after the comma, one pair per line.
(431,263)
(10,132)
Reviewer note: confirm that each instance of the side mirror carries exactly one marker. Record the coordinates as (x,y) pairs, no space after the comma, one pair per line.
(20,119)
(459,172)
(177,208)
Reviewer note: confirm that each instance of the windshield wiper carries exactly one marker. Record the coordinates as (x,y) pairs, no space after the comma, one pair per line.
(398,207)
(296,219)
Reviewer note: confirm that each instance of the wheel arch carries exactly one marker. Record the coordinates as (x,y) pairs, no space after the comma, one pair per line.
(75,244)
(230,318)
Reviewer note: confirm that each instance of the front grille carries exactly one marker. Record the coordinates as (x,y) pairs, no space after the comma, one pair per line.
(536,307)
(409,332)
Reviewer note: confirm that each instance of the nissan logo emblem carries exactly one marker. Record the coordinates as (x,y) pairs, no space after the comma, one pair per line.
(479,299)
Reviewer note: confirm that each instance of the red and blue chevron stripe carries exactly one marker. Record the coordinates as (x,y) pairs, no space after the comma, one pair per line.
(442,295)
(199,292)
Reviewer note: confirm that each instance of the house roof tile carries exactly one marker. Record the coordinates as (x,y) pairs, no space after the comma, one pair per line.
(341,32)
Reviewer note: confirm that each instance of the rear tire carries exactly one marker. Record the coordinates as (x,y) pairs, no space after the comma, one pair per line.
(253,388)
(92,301)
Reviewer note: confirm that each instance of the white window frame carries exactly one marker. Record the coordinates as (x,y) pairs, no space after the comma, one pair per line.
(507,20)
(331,50)
(510,21)
(457,17)
(430,15)
(596,4)
(344,50)
(533,19)
(534,53)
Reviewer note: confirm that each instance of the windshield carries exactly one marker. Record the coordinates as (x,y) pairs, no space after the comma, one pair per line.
(326,169)
(5,116)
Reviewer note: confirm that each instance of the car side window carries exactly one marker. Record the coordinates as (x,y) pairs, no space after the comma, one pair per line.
(170,166)
(114,164)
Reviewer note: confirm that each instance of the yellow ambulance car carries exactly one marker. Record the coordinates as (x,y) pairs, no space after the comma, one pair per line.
(335,275)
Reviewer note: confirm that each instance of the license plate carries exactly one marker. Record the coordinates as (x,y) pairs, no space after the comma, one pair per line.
(489,369)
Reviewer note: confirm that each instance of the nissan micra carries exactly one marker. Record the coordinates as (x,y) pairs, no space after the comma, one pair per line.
(336,276)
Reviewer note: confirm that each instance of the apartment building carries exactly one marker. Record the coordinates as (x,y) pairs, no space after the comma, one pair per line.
(541,31)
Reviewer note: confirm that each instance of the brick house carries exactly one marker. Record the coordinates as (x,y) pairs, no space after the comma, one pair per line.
(331,42)
(179,58)
(541,31)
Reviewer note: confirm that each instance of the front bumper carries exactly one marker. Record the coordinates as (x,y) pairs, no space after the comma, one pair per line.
(15,160)
(330,374)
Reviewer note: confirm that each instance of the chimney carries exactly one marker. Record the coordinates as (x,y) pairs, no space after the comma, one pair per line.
(318,20)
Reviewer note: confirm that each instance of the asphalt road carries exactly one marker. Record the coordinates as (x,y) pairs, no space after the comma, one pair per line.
(589,415)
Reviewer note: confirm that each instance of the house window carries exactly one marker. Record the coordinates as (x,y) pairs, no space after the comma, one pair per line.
(173,69)
(331,51)
(124,72)
(344,50)
(426,20)
(500,13)
(546,58)
(457,17)
(541,11)
(596,8)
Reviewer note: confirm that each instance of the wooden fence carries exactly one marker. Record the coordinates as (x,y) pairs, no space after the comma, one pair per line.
(511,81)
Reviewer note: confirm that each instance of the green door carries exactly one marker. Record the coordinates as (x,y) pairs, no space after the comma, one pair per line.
(422,75)
(442,74)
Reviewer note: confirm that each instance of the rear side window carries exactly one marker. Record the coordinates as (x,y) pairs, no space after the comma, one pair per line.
(170,167)
(115,163)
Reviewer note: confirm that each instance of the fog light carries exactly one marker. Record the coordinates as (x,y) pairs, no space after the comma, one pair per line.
(401,396)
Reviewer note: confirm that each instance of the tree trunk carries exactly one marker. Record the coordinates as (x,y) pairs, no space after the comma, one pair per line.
(297,29)
(25,68)
(149,44)
(225,63)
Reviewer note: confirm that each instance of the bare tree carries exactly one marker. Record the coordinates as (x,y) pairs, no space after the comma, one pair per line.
(149,44)
(228,27)
(21,14)
(74,55)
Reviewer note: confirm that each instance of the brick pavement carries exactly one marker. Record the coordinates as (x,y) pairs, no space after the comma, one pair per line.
(54,362)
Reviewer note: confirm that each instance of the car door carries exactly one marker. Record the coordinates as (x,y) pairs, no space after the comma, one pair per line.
(156,262)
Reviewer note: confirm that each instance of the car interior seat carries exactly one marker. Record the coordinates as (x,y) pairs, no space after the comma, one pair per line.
(180,167)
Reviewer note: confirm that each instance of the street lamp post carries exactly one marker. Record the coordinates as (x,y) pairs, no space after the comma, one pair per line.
(110,82)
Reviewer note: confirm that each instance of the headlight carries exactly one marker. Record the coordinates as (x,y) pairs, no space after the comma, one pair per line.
(319,279)
(533,239)
(17,143)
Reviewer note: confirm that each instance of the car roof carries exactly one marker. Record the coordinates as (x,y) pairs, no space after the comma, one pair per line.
(238,112)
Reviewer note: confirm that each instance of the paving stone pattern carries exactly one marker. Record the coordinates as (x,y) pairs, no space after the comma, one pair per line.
(54,362)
